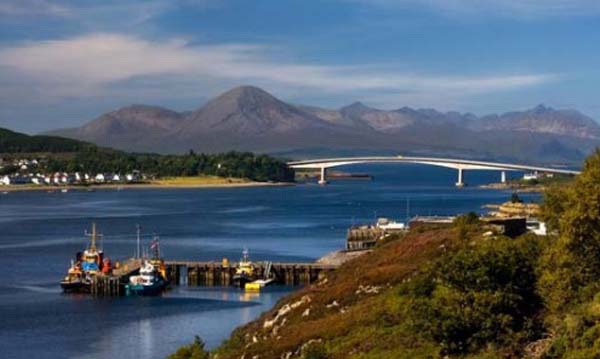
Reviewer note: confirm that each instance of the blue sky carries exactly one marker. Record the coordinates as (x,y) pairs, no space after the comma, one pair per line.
(63,63)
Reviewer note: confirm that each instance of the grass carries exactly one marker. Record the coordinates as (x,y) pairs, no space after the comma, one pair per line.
(198,181)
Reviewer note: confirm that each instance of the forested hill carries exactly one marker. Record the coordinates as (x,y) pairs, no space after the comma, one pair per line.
(14,142)
(66,155)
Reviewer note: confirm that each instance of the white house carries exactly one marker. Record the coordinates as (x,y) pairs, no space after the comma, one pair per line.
(99,178)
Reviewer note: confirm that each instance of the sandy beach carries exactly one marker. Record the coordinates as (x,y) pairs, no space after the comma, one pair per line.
(167,183)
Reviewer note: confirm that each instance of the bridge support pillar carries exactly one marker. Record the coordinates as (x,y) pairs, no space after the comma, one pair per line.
(460,182)
(503,177)
(323,178)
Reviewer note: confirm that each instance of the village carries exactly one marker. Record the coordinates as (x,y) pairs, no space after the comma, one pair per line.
(25,171)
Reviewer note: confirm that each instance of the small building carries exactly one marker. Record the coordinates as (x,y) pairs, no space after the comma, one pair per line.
(510,227)
(362,237)
(389,226)
(15,180)
(531,176)
(99,178)
(537,227)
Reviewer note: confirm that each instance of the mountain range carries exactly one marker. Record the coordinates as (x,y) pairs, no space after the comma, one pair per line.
(248,118)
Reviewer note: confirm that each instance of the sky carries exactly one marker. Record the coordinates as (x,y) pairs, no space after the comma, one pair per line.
(64,63)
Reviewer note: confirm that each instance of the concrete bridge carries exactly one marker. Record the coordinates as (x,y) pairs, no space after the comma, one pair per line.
(461,165)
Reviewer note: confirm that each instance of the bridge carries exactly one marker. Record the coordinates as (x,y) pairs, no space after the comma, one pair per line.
(459,164)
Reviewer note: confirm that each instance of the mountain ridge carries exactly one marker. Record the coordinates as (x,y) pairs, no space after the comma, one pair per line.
(247,118)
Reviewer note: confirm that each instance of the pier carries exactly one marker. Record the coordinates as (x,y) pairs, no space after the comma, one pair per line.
(221,274)
(193,273)
(113,284)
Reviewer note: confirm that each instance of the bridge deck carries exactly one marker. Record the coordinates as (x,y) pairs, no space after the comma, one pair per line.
(443,162)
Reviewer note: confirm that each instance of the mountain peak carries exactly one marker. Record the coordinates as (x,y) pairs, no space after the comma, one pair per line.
(246,92)
(541,108)
(355,109)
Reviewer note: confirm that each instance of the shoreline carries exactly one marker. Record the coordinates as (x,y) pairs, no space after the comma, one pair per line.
(27,188)
(514,187)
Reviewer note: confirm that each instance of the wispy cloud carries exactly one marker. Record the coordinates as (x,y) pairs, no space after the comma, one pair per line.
(96,64)
(32,7)
(530,9)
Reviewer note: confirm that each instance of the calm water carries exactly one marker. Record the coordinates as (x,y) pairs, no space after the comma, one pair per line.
(40,232)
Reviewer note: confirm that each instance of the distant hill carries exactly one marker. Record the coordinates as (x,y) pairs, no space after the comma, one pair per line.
(248,118)
(14,142)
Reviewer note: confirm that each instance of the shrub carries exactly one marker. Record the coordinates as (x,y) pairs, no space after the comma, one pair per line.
(479,296)
(315,351)
(191,351)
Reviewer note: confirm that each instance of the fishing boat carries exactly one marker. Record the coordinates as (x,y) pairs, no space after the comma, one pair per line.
(245,271)
(75,281)
(85,266)
(152,279)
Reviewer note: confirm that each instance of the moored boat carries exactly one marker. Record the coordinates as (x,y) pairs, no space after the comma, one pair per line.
(75,281)
(85,266)
(152,279)
(245,271)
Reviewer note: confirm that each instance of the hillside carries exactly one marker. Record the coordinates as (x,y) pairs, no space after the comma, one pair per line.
(67,155)
(14,142)
(383,304)
(247,118)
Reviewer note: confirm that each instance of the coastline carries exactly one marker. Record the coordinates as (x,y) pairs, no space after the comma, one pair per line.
(152,185)
(515,187)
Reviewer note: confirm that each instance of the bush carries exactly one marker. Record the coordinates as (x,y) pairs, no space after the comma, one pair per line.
(514,198)
(315,351)
(571,266)
(479,296)
(191,351)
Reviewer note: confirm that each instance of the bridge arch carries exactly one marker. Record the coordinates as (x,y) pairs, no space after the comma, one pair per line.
(460,165)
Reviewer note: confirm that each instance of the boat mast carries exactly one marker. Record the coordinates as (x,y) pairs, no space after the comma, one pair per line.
(93,237)
(139,230)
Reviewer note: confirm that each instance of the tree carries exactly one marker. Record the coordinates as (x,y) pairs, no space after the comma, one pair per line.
(571,265)
(478,296)
(191,351)
(514,198)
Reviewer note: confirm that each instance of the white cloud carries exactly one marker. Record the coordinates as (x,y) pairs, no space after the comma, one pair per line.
(531,9)
(97,64)
(32,7)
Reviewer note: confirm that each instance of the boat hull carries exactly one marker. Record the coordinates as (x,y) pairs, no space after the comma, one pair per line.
(146,290)
(241,280)
(75,287)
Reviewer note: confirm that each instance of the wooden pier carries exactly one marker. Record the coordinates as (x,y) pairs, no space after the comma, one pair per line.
(114,284)
(221,274)
(193,273)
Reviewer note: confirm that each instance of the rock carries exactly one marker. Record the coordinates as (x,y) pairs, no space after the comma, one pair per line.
(333,304)
(306,312)
(369,289)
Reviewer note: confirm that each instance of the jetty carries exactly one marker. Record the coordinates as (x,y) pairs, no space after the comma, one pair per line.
(194,273)
(212,273)
(113,284)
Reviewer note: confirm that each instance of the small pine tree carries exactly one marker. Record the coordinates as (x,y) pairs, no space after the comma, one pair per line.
(191,351)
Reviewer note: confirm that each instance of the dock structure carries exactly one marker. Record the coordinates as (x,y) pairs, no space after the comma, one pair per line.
(113,284)
(193,273)
(221,274)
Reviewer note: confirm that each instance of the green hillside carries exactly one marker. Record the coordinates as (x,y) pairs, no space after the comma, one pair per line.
(14,142)
(66,155)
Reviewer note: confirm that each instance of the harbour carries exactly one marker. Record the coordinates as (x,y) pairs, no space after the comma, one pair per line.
(197,228)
